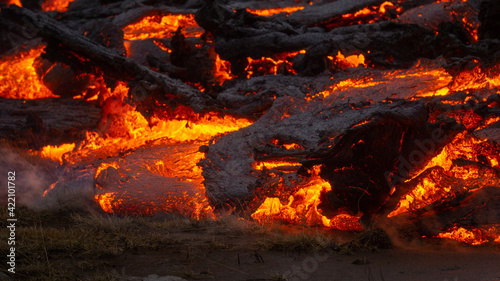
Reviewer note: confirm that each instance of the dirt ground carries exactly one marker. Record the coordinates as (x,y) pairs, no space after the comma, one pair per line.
(234,258)
(71,244)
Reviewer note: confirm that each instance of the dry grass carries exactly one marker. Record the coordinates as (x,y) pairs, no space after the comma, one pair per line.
(67,244)
(74,243)
(370,240)
(271,236)
(303,239)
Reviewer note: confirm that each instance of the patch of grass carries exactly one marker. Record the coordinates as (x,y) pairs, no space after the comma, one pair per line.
(369,240)
(308,240)
(215,245)
(73,244)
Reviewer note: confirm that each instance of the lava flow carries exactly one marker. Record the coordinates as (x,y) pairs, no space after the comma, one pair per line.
(15,2)
(274,11)
(366,15)
(161,26)
(124,129)
(270,140)
(344,62)
(475,236)
(463,147)
(56,5)
(272,65)
(18,78)
(302,206)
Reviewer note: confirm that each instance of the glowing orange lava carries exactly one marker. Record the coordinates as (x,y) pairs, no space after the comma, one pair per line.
(365,15)
(290,145)
(186,196)
(123,129)
(463,146)
(302,207)
(350,61)
(277,164)
(437,80)
(56,152)
(477,78)
(49,189)
(18,78)
(14,2)
(106,201)
(56,5)
(270,66)
(474,236)
(222,70)
(162,26)
(274,11)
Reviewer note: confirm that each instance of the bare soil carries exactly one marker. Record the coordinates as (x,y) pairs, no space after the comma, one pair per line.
(199,260)
(79,244)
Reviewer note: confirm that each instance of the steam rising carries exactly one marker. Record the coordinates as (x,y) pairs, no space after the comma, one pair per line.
(30,181)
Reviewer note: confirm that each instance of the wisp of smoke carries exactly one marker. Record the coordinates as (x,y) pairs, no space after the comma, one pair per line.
(30,182)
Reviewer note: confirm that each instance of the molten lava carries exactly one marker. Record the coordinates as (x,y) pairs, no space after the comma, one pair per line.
(124,129)
(271,65)
(302,207)
(56,152)
(56,5)
(162,26)
(18,78)
(184,135)
(222,70)
(278,165)
(106,201)
(477,78)
(344,62)
(474,236)
(14,2)
(366,15)
(464,147)
(274,11)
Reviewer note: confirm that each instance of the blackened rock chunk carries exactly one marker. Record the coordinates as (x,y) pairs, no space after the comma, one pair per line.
(489,15)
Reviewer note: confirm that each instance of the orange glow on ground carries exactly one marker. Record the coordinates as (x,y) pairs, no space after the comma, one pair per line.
(222,70)
(439,77)
(362,12)
(125,129)
(56,5)
(49,189)
(14,2)
(56,152)
(477,78)
(269,66)
(461,147)
(291,145)
(143,201)
(366,15)
(127,45)
(278,165)
(106,201)
(274,11)
(157,26)
(18,78)
(474,236)
(302,207)
(349,61)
